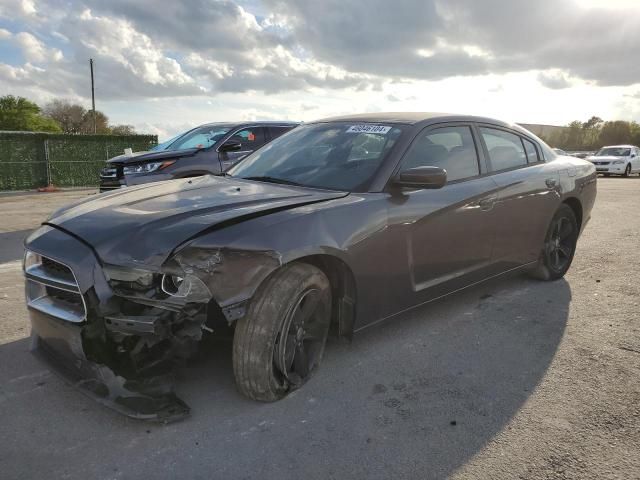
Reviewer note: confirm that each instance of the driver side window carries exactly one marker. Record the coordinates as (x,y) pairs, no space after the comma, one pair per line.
(249,138)
(451,148)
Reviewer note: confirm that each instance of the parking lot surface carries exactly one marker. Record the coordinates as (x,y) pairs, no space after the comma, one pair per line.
(511,379)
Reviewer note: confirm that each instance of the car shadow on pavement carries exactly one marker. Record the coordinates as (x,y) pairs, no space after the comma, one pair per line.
(416,397)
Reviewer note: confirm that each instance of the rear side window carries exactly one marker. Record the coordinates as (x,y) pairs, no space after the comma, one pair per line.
(505,149)
(250,138)
(451,148)
(532,151)
(275,132)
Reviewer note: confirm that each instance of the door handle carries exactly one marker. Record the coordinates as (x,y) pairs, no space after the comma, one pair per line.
(487,203)
(551,182)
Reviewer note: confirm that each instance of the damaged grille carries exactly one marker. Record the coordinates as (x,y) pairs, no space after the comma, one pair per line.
(51,288)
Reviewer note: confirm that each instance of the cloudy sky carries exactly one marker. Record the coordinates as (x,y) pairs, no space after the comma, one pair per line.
(164,66)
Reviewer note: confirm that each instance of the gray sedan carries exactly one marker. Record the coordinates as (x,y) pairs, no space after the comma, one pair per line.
(335,226)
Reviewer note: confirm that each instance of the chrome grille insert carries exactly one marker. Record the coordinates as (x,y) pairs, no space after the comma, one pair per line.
(109,172)
(52,288)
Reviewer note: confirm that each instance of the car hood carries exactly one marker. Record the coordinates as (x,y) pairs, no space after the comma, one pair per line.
(139,157)
(140,226)
(605,158)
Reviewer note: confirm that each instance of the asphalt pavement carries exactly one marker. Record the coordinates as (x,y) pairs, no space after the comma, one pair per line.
(514,378)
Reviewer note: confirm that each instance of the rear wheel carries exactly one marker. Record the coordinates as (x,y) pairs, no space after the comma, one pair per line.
(559,245)
(279,344)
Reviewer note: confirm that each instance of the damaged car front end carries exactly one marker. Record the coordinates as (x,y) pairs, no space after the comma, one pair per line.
(118,332)
(117,335)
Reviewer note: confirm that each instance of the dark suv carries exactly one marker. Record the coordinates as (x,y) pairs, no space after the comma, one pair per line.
(211,148)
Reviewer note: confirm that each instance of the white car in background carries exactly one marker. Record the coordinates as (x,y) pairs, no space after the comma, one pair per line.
(617,160)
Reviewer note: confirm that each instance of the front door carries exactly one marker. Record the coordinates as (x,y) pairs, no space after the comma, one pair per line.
(446,235)
(250,139)
(635,159)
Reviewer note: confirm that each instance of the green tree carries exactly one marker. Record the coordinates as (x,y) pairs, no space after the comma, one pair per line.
(20,114)
(574,139)
(102,123)
(613,133)
(70,116)
(593,122)
(123,130)
(635,133)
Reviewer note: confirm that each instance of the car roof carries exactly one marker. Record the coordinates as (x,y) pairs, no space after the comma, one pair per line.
(261,123)
(619,146)
(412,118)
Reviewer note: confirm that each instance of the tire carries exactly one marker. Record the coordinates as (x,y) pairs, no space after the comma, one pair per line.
(279,343)
(559,246)
(627,171)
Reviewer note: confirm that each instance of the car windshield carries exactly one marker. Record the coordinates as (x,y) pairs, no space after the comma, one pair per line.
(163,146)
(201,137)
(613,152)
(335,156)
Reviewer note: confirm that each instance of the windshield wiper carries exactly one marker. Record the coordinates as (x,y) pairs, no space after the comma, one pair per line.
(268,179)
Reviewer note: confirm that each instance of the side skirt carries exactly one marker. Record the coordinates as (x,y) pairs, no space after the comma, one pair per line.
(516,269)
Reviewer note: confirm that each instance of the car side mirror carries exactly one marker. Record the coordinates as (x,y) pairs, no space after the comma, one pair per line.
(231,146)
(633,155)
(422,177)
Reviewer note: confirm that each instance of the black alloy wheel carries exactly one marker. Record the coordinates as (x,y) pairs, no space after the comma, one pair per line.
(559,245)
(279,343)
(302,338)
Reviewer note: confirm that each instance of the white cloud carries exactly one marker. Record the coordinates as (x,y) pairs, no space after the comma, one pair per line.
(522,60)
(554,79)
(17,8)
(32,49)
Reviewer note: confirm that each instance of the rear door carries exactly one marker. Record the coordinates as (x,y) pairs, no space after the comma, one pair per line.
(528,194)
(250,139)
(275,132)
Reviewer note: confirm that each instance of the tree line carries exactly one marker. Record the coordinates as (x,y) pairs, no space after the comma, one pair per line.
(594,134)
(58,116)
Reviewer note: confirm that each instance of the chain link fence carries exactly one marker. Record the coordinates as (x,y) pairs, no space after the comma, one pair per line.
(31,160)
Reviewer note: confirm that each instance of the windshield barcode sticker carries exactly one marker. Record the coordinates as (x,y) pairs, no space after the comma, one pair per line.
(369,129)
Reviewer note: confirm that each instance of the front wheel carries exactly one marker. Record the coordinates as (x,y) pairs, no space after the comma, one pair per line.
(559,245)
(627,171)
(279,343)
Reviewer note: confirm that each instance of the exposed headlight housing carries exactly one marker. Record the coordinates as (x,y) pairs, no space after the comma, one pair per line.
(184,287)
(134,278)
(146,167)
(188,287)
(617,162)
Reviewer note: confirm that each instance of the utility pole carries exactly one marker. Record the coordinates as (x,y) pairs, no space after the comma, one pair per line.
(93,98)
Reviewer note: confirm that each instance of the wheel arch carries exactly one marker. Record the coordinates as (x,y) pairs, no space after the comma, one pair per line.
(576,206)
(343,291)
